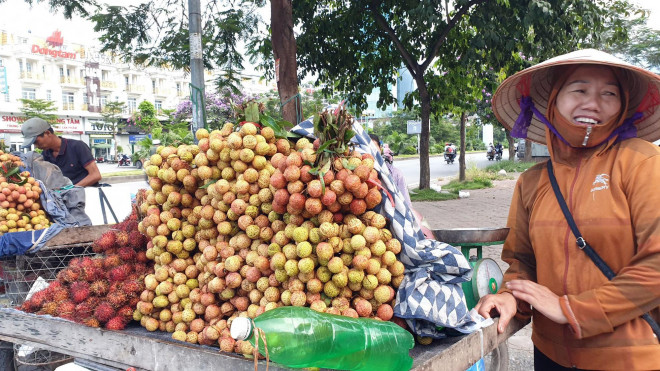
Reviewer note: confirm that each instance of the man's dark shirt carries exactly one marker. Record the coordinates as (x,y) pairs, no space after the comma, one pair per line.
(74,155)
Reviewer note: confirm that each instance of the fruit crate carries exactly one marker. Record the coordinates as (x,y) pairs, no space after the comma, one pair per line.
(19,272)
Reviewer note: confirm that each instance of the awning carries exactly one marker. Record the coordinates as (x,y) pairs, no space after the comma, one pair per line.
(102,146)
(101,135)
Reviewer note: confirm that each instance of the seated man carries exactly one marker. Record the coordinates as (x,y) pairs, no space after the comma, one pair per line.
(72,156)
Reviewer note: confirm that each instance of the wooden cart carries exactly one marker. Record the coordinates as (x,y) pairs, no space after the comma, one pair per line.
(138,348)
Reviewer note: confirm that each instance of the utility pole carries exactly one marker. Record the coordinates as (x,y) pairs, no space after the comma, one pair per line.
(196,65)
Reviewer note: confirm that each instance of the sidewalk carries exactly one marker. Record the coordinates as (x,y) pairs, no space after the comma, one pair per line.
(483,209)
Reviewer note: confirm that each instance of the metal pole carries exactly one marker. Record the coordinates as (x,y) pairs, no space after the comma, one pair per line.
(196,65)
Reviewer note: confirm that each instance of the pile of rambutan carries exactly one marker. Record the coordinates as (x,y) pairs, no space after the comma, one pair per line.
(103,290)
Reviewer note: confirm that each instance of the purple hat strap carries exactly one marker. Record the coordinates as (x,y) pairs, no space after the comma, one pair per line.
(524,120)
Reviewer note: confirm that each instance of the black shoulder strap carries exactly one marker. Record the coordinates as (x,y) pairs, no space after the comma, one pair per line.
(584,246)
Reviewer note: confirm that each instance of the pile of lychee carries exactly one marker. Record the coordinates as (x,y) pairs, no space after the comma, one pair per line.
(20,209)
(243,222)
(102,290)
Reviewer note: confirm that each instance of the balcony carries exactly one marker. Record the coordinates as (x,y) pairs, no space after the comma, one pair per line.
(68,107)
(108,85)
(135,89)
(35,77)
(162,92)
(72,81)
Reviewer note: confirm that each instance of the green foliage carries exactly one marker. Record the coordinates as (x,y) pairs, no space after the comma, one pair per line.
(509,166)
(409,150)
(145,117)
(156,34)
(41,108)
(111,114)
(418,195)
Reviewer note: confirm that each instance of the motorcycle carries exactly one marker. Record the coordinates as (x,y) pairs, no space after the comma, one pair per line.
(490,154)
(124,161)
(449,157)
(498,155)
(100,160)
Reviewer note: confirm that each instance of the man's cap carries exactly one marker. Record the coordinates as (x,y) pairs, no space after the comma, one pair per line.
(506,100)
(31,129)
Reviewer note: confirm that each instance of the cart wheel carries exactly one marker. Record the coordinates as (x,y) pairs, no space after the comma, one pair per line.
(498,359)
(138,164)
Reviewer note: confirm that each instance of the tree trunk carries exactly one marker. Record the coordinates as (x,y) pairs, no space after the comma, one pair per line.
(284,51)
(425,100)
(461,158)
(528,150)
(512,146)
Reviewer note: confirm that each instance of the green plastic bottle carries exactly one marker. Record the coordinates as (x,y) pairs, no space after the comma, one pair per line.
(301,337)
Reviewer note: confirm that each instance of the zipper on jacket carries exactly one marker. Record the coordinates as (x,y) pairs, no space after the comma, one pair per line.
(567,243)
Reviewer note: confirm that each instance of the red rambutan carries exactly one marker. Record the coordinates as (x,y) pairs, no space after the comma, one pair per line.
(84,310)
(130,226)
(99,288)
(66,308)
(111,261)
(38,298)
(75,262)
(122,238)
(137,240)
(92,273)
(71,274)
(117,299)
(49,308)
(142,257)
(116,323)
(133,301)
(91,322)
(133,286)
(125,312)
(104,312)
(127,254)
(60,295)
(105,242)
(120,273)
(79,291)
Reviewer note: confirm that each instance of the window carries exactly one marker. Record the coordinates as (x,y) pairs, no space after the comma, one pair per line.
(67,101)
(104,75)
(49,95)
(43,70)
(20,66)
(178,88)
(28,93)
(158,105)
(104,100)
(131,105)
(61,71)
(28,67)
(153,86)
(126,80)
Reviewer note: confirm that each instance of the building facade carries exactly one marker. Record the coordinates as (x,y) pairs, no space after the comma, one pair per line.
(81,81)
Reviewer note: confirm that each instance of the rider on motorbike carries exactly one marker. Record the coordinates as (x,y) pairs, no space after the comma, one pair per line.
(499,149)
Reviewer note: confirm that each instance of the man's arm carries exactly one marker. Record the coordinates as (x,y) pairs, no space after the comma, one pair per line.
(93,176)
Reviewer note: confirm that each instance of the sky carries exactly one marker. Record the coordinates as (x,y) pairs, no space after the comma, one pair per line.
(18,16)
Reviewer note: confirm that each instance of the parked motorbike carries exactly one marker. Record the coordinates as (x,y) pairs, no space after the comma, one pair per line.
(100,159)
(124,161)
(449,157)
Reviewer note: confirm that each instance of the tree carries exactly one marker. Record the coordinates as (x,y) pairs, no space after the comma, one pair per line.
(372,39)
(40,108)
(145,117)
(112,116)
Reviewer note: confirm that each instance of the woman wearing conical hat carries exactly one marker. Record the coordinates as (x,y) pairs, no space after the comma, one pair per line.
(598,116)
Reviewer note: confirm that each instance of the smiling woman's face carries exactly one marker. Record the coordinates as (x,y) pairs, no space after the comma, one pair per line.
(590,96)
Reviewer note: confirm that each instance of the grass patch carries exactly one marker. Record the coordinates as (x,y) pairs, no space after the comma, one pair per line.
(431,195)
(510,166)
(123,173)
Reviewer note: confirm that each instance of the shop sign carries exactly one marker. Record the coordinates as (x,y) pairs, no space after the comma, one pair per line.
(55,41)
(97,126)
(100,141)
(133,139)
(11,123)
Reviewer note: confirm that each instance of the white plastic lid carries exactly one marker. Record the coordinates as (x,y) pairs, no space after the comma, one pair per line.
(241,328)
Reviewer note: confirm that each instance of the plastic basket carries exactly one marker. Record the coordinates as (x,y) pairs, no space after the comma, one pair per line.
(30,359)
(20,272)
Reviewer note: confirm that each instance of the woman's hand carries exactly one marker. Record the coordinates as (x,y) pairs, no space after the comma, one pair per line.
(504,304)
(540,297)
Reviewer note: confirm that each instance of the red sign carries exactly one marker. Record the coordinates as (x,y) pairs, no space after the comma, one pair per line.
(55,39)
(10,123)
(53,52)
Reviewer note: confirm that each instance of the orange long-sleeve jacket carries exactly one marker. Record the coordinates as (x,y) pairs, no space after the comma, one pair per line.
(614,196)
